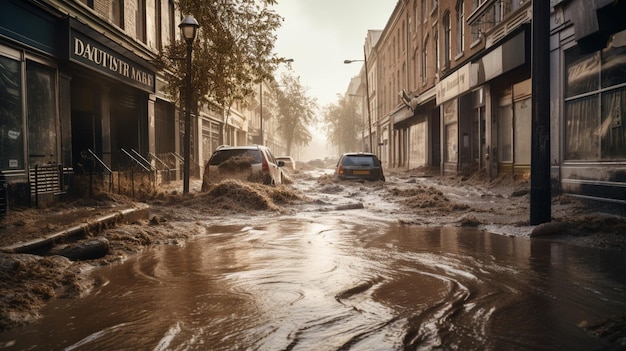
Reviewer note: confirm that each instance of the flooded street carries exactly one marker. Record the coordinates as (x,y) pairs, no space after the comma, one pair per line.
(354,266)
(336,283)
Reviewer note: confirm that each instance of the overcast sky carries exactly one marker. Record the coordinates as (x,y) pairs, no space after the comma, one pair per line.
(320,34)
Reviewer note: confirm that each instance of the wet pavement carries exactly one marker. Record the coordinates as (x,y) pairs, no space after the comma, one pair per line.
(336,282)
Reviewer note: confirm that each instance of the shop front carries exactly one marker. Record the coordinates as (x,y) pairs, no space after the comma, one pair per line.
(592,137)
(501,107)
(34,140)
(461,132)
(112,103)
(416,133)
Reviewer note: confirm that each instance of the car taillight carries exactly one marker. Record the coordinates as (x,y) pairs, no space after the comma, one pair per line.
(265,167)
(340,170)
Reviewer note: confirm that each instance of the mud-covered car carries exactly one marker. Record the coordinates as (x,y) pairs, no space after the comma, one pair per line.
(359,165)
(289,162)
(254,163)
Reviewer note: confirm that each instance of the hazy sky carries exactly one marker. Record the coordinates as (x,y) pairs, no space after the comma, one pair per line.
(320,34)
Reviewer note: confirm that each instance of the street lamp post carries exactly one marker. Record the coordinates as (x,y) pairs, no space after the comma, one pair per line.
(367,95)
(188,28)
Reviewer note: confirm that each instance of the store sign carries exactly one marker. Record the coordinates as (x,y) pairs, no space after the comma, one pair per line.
(457,83)
(98,57)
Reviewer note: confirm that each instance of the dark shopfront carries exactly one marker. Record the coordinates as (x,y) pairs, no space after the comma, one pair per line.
(64,89)
(32,131)
(110,100)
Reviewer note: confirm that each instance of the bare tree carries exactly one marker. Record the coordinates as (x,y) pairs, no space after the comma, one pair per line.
(343,123)
(296,112)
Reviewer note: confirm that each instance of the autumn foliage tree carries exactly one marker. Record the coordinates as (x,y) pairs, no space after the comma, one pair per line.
(232,52)
(344,124)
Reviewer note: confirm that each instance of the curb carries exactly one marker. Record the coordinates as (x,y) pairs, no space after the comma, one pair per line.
(128,215)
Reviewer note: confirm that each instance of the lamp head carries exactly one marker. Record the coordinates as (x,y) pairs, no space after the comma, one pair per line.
(188,28)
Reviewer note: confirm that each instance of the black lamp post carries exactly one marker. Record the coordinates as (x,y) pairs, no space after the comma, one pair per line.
(188,29)
(367,96)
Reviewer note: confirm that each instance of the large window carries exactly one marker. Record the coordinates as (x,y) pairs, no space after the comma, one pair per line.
(460,27)
(158,24)
(447,40)
(41,98)
(505,131)
(451,137)
(140,21)
(11,128)
(437,51)
(172,21)
(425,60)
(117,13)
(595,103)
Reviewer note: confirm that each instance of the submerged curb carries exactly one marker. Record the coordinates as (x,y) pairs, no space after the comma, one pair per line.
(128,215)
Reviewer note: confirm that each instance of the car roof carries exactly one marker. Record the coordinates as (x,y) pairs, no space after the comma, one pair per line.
(245,147)
(358,154)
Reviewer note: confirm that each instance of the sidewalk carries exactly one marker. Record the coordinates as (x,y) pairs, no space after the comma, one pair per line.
(26,230)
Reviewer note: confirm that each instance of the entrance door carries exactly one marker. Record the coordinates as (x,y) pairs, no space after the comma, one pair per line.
(505,130)
(42,117)
(83,131)
(435,137)
(125,119)
(479,141)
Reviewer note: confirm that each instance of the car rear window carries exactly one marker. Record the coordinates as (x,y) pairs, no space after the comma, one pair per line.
(223,155)
(364,160)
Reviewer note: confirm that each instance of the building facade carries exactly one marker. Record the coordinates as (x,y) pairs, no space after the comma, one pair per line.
(588,99)
(81,85)
(81,93)
(454,91)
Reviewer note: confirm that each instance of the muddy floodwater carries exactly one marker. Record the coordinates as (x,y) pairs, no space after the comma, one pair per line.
(337,284)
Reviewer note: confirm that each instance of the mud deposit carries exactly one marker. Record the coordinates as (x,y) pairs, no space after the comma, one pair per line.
(417,197)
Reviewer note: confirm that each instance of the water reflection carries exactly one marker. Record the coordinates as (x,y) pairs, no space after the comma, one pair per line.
(337,285)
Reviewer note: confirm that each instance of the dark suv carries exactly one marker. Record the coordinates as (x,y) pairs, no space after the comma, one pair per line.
(359,165)
(254,163)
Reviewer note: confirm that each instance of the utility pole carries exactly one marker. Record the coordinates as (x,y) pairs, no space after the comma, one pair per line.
(540,192)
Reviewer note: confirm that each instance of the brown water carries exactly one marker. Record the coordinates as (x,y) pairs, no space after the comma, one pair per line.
(341,285)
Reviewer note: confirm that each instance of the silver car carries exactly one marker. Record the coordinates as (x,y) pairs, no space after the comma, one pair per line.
(253,163)
(289,162)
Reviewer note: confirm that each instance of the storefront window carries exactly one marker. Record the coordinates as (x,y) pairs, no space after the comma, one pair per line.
(41,97)
(581,121)
(595,103)
(582,72)
(523,121)
(451,137)
(11,128)
(611,131)
(505,133)
(614,63)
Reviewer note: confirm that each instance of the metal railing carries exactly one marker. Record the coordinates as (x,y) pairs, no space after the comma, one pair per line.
(91,156)
(162,168)
(138,162)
